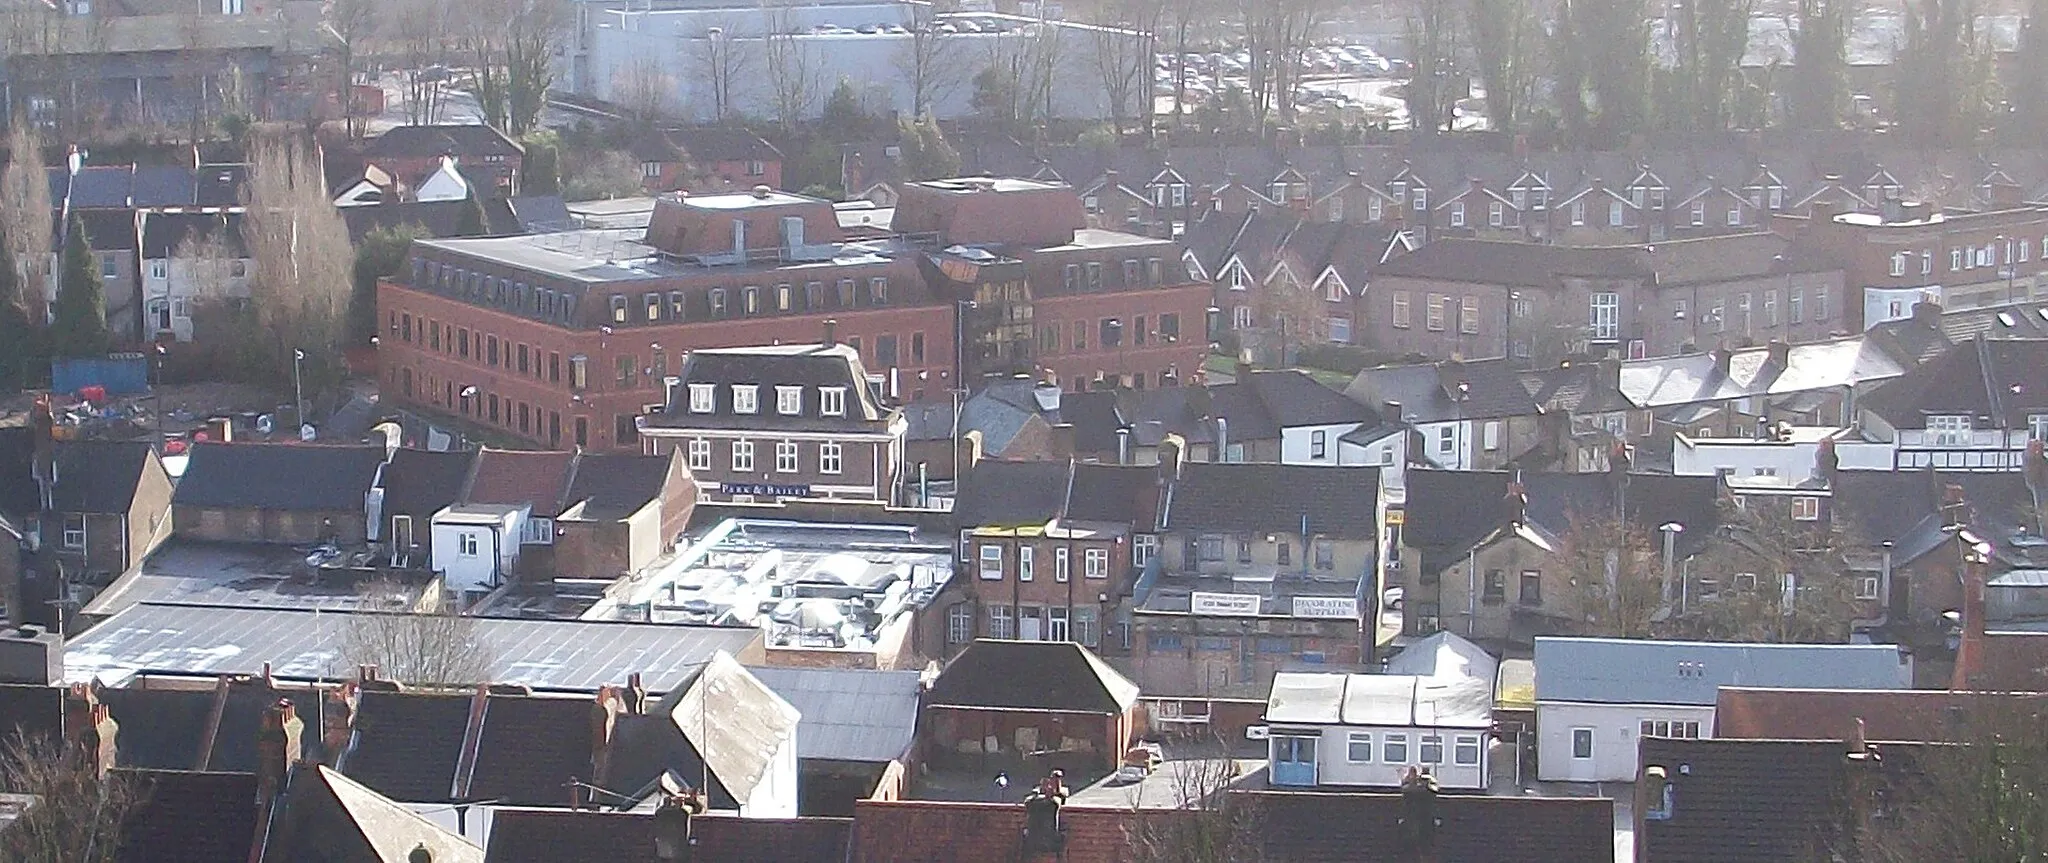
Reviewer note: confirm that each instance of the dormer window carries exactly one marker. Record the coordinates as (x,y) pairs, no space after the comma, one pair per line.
(789,401)
(1949,429)
(702,397)
(746,398)
(832,401)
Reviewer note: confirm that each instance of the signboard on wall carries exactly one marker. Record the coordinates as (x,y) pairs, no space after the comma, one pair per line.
(1224,604)
(764,489)
(1330,607)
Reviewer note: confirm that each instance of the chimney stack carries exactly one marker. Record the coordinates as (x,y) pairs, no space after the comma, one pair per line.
(1170,457)
(1826,462)
(1063,441)
(831,332)
(1517,500)
(1419,820)
(89,730)
(277,751)
(1781,354)
(1969,671)
(1722,356)
(338,719)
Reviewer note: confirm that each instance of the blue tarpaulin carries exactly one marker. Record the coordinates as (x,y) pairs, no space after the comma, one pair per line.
(120,374)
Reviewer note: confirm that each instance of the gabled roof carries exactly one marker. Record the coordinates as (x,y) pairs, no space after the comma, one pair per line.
(530,748)
(164,234)
(616,485)
(1912,715)
(1693,378)
(848,714)
(467,140)
(1012,493)
(1992,381)
(752,725)
(521,835)
(1275,498)
(1065,677)
(810,366)
(520,477)
(421,482)
(1755,801)
(407,744)
(1635,671)
(100,476)
(288,477)
(328,815)
(188,817)
(1444,391)
(1451,511)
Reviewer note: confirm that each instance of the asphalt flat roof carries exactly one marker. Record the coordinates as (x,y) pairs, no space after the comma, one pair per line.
(848,714)
(223,573)
(563,655)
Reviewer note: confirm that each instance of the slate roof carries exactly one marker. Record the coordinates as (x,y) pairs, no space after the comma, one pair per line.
(530,749)
(164,233)
(1693,378)
(437,218)
(1531,265)
(420,482)
(848,714)
(1753,801)
(1292,398)
(809,366)
(1262,498)
(753,724)
(720,144)
(2012,662)
(1996,382)
(1932,331)
(568,836)
(18,494)
(1011,493)
(188,817)
(159,729)
(98,476)
(33,710)
(328,815)
(288,477)
(407,745)
(470,141)
(1066,677)
(1911,715)
(615,485)
(1450,511)
(126,187)
(1431,392)
(1626,671)
(1114,493)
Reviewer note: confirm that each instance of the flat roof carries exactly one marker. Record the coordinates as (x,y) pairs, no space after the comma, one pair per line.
(301,644)
(747,200)
(971,185)
(601,255)
(238,574)
(807,585)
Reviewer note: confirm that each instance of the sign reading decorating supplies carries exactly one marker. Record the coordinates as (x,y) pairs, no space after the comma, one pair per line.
(1334,607)
(1224,604)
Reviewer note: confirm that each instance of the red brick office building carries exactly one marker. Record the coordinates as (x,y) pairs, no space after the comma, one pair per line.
(564,339)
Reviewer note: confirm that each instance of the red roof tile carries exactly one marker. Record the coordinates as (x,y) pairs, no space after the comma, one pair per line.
(572,836)
(1909,715)
(514,477)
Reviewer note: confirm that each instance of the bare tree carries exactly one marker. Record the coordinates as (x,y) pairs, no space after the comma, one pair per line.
(352,23)
(1433,39)
(1980,796)
(423,47)
(930,63)
(422,648)
(25,215)
(1294,315)
(78,808)
(511,44)
(1180,19)
(1617,580)
(1123,53)
(793,79)
(1506,44)
(645,90)
(1202,822)
(1778,579)
(722,61)
(300,259)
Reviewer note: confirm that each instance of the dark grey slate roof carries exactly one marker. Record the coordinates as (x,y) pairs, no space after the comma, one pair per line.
(162,233)
(1996,382)
(807,366)
(98,476)
(468,141)
(616,485)
(420,483)
(1011,493)
(290,477)
(1063,676)
(1262,498)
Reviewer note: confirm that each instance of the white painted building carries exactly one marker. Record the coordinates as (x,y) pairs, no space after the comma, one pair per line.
(190,257)
(476,546)
(704,64)
(1431,713)
(1597,697)
(1791,454)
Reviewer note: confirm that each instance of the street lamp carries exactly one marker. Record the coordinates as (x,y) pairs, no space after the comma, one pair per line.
(298,388)
(1671,530)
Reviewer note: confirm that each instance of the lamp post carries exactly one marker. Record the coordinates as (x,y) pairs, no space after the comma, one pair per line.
(959,388)
(298,388)
(2008,270)
(1671,530)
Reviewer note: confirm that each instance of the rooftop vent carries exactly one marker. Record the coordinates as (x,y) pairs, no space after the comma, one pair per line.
(762,191)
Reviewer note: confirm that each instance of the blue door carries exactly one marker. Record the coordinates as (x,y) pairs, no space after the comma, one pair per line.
(1294,760)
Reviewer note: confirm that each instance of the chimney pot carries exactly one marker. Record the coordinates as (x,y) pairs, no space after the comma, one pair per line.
(831,332)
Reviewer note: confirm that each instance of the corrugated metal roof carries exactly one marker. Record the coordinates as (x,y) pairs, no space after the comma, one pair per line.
(299,644)
(1626,671)
(2021,578)
(848,714)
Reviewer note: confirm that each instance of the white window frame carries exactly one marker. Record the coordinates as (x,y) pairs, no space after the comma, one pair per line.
(831,458)
(1806,508)
(1950,429)
(1699,214)
(700,454)
(789,401)
(960,623)
(703,398)
(1616,215)
(1866,587)
(1422,747)
(1604,316)
(1489,435)
(466,544)
(1143,547)
(1446,439)
(1352,741)
(1578,213)
(1457,214)
(746,398)
(74,537)
(1057,626)
(785,456)
(1095,562)
(2037,427)
(1389,743)
(1898,263)
(1464,743)
(1582,732)
(991,557)
(1062,564)
(743,456)
(832,401)
(1496,215)
(1001,622)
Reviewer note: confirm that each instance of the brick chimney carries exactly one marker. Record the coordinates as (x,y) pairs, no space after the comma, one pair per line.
(1721,356)
(1969,671)
(1780,354)
(1063,441)
(338,720)
(1826,462)
(89,730)
(277,751)
(1517,500)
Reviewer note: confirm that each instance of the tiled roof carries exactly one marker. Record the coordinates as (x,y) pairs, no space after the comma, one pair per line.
(1911,715)
(407,744)
(159,729)
(1065,677)
(1126,494)
(1307,827)
(1533,265)
(1295,399)
(98,476)
(2013,662)
(808,366)
(515,477)
(1752,801)
(569,836)
(617,484)
(1265,498)
(1449,511)
(420,483)
(469,141)
(1993,381)
(32,710)
(1012,493)
(190,817)
(289,477)
(531,748)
